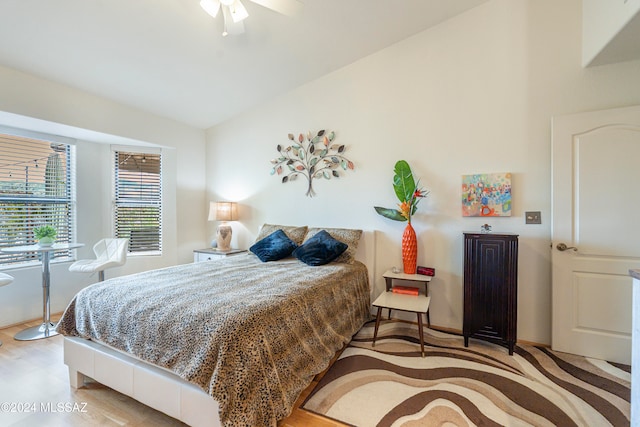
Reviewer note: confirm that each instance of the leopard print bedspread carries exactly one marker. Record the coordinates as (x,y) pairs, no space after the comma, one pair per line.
(251,334)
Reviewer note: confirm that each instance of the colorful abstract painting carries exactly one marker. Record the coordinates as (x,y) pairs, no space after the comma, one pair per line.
(486,194)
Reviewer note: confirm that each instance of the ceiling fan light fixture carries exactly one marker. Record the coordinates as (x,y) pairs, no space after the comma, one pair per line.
(234,12)
(212,7)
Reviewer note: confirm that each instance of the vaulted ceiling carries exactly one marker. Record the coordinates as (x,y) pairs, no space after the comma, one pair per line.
(169,58)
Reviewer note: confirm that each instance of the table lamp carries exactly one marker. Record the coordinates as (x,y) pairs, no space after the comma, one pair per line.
(223,211)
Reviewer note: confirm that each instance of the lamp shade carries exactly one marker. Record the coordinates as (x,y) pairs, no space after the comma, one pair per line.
(223,211)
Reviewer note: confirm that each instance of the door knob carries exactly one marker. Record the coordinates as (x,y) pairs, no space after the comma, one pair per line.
(563,247)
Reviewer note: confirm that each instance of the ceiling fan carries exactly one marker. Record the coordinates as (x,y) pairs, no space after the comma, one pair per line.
(233,12)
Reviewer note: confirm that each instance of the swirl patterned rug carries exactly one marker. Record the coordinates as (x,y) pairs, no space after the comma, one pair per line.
(392,385)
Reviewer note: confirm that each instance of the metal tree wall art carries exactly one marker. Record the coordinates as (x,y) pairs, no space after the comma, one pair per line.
(313,157)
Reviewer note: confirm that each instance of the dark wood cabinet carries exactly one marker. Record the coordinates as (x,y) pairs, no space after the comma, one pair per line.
(491,288)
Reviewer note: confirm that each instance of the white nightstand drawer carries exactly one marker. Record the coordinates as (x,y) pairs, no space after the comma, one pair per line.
(211,254)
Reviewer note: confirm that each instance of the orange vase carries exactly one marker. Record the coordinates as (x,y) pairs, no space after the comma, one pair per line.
(409,250)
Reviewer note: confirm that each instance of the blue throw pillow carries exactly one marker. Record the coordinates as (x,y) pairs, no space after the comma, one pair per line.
(320,249)
(273,247)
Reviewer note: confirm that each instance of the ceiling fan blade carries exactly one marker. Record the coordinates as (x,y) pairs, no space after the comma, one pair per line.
(285,7)
(231,27)
(212,7)
(238,12)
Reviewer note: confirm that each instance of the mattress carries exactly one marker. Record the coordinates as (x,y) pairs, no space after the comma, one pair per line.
(250,334)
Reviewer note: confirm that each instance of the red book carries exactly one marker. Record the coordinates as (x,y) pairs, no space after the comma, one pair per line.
(406,290)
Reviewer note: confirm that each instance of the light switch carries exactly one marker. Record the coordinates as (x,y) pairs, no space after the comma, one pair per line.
(533,217)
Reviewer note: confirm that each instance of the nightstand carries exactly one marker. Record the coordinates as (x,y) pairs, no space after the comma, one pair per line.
(418,279)
(209,254)
(390,300)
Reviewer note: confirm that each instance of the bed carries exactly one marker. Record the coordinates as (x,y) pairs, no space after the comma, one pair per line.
(224,343)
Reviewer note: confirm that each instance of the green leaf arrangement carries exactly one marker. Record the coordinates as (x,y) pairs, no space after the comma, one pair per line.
(312,157)
(408,193)
(45,231)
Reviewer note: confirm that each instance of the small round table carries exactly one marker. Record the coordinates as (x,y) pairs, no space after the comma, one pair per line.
(47,328)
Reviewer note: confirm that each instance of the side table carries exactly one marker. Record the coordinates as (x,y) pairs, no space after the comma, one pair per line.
(419,279)
(418,304)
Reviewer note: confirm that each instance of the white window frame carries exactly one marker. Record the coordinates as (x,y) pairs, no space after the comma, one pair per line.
(67,233)
(156,201)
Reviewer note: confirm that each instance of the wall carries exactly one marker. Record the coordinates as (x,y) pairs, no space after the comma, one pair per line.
(36,104)
(475,94)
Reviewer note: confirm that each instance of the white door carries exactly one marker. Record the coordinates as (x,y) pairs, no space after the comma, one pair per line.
(596,210)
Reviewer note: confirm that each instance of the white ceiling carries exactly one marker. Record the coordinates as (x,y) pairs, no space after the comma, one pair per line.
(168,57)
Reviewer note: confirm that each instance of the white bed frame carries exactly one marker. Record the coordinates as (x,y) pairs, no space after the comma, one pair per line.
(154,386)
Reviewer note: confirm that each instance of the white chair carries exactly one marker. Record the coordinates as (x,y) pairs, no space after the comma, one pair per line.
(109,253)
(5,279)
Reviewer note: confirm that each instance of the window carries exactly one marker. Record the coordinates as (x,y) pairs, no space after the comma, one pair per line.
(36,188)
(138,201)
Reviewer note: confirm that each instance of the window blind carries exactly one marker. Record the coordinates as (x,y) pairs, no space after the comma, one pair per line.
(138,201)
(36,188)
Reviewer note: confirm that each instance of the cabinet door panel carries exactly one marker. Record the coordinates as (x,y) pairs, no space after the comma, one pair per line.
(490,288)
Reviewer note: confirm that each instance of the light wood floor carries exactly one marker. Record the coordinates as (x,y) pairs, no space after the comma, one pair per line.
(34,383)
